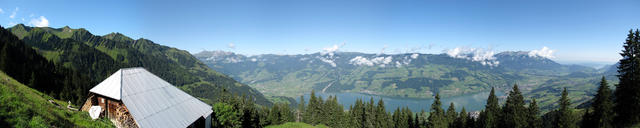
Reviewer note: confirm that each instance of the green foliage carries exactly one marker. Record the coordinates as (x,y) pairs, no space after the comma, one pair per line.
(627,94)
(514,112)
(296,125)
(437,118)
(225,115)
(383,119)
(533,120)
(279,114)
(461,120)
(327,112)
(602,106)
(451,114)
(565,117)
(490,116)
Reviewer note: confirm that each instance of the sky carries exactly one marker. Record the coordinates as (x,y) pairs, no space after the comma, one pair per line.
(565,31)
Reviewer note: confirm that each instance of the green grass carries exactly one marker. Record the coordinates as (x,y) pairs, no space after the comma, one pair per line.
(296,125)
(22,106)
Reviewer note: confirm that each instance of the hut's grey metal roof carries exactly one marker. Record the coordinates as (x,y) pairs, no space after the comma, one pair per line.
(152,101)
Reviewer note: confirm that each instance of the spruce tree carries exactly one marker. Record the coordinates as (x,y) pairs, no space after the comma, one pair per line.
(564,117)
(437,118)
(309,113)
(408,116)
(513,113)
(422,120)
(358,113)
(461,121)
(370,117)
(602,106)
(627,93)
(398,119)
(382,118)
(471,122)
(451,113)
(489,117)
(533,120)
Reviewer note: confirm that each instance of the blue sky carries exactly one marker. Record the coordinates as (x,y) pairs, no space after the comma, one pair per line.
(576,31)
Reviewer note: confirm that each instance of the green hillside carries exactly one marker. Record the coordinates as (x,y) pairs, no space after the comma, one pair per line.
(99,56)
(22,106)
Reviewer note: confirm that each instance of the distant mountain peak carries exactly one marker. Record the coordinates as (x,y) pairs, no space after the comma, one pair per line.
(117,36)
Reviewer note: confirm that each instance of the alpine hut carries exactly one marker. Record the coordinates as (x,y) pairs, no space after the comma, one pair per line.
(134,97)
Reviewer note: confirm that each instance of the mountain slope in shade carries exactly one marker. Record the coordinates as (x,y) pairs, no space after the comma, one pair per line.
(403,75)
(99,56)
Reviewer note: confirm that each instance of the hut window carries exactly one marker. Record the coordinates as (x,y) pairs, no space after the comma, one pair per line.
(102,100)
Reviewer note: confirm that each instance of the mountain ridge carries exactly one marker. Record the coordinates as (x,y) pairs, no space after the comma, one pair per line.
(100,56)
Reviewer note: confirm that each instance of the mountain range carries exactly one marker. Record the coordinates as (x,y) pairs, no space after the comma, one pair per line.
(97,57)
(409,75)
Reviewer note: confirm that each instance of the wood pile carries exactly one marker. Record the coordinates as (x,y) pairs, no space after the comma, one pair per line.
(123,118)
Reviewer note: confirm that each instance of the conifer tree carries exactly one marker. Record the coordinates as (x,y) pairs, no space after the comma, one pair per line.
(602,106)
(408,116)
(398,119)
(369,114)
(382,118)
(564,117)
(309,113)
(320,111)
(422,122)
(357,112)
(471,122)
(513,112)
(533,120)
(489,117)
(451,114)
(437,118)
(461,121)
(627,96)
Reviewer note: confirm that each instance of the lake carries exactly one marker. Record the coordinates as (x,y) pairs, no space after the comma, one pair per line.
(471,102)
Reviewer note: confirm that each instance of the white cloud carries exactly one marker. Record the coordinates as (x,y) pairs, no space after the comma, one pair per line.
(13,14)
(331,50)
(414,55)
(544,52)
(1,11)
(485,57)
(359,60)
(330,62)
(254,59)
(40,22)
(380,61)
(232,45)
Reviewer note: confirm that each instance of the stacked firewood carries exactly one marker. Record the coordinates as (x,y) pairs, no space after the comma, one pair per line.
(124,118)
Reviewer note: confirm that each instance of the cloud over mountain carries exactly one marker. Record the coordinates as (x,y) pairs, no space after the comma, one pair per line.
(40,22)
(485,57)
(544,52)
